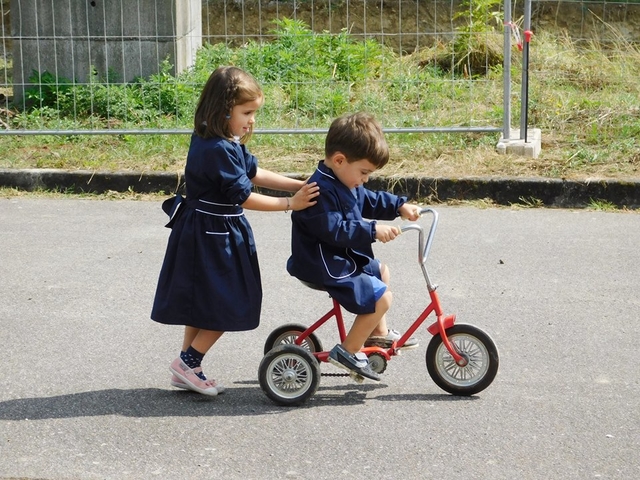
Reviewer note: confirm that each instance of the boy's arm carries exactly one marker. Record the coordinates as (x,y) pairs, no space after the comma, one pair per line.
(355,234)
(325,221)
(381,205)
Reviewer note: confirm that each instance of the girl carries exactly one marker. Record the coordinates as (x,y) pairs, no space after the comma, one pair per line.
(210,278)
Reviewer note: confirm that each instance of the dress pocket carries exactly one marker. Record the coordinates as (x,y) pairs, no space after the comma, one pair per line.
(218,243)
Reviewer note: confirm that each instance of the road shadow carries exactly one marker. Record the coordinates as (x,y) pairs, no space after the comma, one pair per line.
(155,402)
(139,403)
(425,397)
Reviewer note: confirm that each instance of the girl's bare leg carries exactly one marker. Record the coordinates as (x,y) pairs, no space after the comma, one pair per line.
(189,334)
(200,339)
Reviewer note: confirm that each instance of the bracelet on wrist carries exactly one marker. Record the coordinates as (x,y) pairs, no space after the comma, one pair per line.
(286,210)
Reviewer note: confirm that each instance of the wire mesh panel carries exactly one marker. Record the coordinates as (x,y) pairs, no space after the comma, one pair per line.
(584,90)
(95,64)
(585,20)
(139,65)
(321,58)
(98,65)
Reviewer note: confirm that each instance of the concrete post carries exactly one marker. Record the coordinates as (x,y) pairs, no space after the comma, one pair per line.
(122,39)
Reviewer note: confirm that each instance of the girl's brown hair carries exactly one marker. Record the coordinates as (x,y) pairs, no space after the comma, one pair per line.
(226,88)
(358,136)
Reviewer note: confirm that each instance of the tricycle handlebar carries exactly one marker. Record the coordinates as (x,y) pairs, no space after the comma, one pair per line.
(424,246)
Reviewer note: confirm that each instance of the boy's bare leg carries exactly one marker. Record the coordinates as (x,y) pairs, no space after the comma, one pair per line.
(381,328)
(364,324)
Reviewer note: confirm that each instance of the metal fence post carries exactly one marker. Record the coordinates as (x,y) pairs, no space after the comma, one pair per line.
(506,99)
(524,97)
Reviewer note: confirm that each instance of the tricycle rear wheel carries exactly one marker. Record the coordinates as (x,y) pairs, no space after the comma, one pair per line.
(289,375)
(287,335)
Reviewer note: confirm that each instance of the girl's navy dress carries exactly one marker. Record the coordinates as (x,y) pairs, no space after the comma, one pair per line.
(331,240)
(210,276)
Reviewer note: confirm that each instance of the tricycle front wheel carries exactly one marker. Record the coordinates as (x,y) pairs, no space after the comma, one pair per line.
(481,357)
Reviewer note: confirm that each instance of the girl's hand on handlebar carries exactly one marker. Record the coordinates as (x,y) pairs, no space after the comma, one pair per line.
(409,211)
(386,233)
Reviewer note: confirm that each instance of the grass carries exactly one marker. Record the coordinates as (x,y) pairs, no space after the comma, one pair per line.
(602,206)
(584,98)
(7,192)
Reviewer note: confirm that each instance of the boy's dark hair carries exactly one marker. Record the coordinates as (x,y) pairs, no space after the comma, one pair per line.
(358,136)
(226,88)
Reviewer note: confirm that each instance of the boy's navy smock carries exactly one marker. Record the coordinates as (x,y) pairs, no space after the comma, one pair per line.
(210,277)
(331,240)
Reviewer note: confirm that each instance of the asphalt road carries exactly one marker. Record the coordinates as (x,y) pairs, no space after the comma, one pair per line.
(85,394)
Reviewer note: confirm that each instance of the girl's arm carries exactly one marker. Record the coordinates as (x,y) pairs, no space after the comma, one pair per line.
(275,181)
(303,198)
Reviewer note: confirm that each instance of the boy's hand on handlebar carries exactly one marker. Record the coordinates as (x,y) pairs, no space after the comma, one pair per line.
(305,196)
(409,211)
(386,233)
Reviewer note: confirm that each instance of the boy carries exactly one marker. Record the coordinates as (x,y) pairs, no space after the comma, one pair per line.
(331,241)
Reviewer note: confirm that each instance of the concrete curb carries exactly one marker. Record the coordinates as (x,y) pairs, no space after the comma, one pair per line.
(502,191)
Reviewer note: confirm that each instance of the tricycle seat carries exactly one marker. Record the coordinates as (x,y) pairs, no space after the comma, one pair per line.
(314,286)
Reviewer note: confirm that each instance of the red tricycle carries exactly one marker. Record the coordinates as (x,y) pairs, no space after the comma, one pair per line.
(461,359)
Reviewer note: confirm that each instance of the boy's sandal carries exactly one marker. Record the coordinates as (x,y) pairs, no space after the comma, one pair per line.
(357,364)
(387,340)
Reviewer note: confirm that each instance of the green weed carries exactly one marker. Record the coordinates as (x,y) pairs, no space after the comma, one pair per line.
(601,205)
